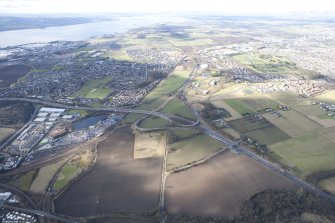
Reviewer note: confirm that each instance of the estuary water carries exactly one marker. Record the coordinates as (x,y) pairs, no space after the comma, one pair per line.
(79,31)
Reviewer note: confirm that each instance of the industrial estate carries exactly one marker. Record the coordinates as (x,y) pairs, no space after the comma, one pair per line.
(212,120)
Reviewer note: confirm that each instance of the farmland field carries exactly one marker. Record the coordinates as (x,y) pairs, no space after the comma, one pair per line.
(95,88)
(305,124)
(259,103)
(178,134)
(25,180)
(120,54)
(328,96)
(284,124)
(11,73)
(309,153)
(315,113)
(68,173)
(190,149)
(191,42)
(262,131)
(289,99)
(153,122)
(177,107)
(328,184)
(232,90)
(250,104)
(44,176)
(73,168)
(267,63)
(171,83)
(221,104)
(117,182)
(149,145)
(219,187)
(239,106)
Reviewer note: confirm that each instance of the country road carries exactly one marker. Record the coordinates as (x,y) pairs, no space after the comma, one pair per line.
(187,123)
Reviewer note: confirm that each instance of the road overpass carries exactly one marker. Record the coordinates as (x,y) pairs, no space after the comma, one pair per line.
(187,123)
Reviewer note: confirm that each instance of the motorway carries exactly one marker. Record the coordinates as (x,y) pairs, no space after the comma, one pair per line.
(187,123)
(166,116)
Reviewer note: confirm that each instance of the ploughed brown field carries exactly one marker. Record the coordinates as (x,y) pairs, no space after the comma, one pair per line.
(219,187)
(117,182)
(124,220)
(11,73)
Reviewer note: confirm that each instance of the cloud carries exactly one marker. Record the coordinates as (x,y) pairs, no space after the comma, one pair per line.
(165,6)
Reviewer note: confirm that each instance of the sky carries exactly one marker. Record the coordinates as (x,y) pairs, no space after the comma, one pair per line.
(227,7)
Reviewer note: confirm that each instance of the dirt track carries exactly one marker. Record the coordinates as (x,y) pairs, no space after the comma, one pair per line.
(117,182)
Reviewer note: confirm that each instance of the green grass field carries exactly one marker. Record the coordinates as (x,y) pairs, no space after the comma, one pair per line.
(152,105)
(44,176)
(260,103)
(67,174)
(154,122)
(190,150)
(267,63)
(309,153)
(285,125)
(325,116)
(73,168)
(302,122)
(182,133)
(81,112)
(289,99)
(242,125)
(263,131)
(177,107)
(328,96)
(239,106)
(171,83)
(251,104)
(191,42)
(95,88)
(118,55)
(268,135)
(157,96)
(25,180)
(328,184)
